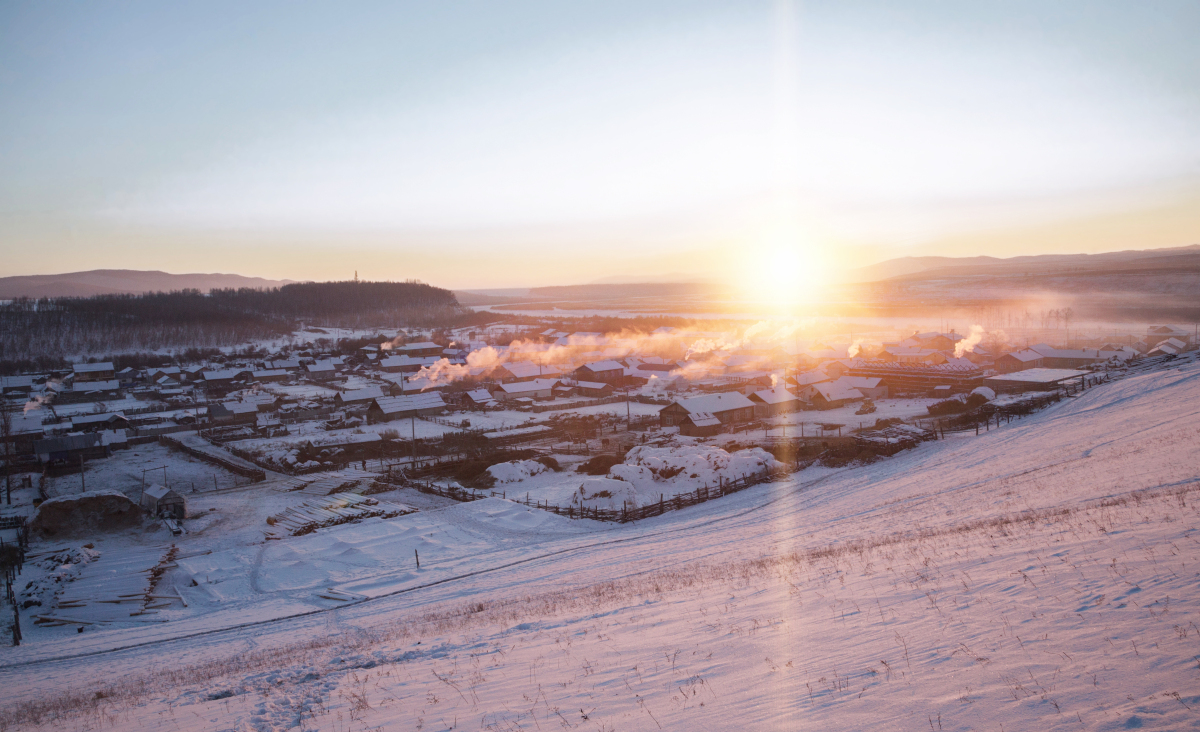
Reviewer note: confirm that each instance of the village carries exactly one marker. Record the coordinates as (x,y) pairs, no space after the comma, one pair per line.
(197,463)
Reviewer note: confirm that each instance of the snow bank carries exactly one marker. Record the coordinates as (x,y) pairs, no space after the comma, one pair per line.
(86,513)
(516,471)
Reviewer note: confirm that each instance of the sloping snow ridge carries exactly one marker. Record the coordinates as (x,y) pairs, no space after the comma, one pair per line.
(1040,576)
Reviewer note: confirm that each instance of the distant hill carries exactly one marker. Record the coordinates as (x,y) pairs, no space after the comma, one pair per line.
(933,267)
(122,282)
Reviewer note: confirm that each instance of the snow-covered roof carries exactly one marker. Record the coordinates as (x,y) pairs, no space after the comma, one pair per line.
(86,386)
(224,375)
(715,403)
(522,387)
(861,382)
(1039,376)
(365,394)
(239,407)
(268,374)
(836,391)
(479,396)
(84,419)
(156,491)
(1026,356)
(778,395)
(596,366)
(411,402)
(703,419)
(526,369)
(91,368)
(809,377)
(591,384)
(398,361)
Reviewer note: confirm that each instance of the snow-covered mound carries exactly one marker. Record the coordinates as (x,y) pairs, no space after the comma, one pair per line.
(672,470)
(86,513)
(516,471)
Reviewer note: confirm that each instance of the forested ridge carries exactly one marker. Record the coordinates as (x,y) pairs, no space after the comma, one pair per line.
(46,330)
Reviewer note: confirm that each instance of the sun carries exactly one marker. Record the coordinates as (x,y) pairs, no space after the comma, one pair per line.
(784,270)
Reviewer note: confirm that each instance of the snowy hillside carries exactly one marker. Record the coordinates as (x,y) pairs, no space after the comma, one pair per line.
(1039,576)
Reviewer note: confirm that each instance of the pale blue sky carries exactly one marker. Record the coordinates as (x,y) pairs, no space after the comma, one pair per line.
(293,139)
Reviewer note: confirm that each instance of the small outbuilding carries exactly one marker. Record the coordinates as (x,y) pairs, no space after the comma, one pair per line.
(160,500)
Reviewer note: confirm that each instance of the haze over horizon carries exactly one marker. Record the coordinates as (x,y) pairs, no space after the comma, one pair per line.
(474,146)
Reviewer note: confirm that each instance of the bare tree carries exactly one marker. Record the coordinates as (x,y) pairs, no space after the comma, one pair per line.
(6,436)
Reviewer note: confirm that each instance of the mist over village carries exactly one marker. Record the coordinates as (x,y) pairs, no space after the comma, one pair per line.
(630,366)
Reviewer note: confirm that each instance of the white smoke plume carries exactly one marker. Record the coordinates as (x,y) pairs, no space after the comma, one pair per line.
(854,348)
(35,402)
(575,349)
(968,344)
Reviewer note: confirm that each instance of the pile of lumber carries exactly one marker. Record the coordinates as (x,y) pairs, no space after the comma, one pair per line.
(328,483)
(340,508)
(114,588)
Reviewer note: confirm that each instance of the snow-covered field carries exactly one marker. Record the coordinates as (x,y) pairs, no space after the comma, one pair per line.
(1039,576)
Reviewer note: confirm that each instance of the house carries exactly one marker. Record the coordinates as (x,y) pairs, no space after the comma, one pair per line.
(1168,347)
(407,364)
(92,391)
(1156,334)
(727,407)
(610,372)
(357,397)
(95,422)
(1068,358)
(803,379)
(233,412)
(901,378)
(1019,361)
(596,389)
(536,389)
(424,348)
(159,500)
(94,371)
(288,364)
(71,448)
(385,409)
(937,341)
(528,371)
(871,387)
(16,384)
(322,371)
(841,367)
(480,398)
(270,376)
(1039,379)
(833,394)
(222,381)
(770,402)
(908,354)
(173,372)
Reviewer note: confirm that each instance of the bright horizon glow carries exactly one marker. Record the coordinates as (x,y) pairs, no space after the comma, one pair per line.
(506,147)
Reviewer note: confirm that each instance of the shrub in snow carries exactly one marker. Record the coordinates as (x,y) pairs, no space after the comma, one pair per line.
(516,470)
(672,470)
(605,493)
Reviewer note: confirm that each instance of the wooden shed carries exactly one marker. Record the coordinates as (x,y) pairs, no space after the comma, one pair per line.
(161,500)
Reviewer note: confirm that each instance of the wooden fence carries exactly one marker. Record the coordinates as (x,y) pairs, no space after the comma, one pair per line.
(627,513)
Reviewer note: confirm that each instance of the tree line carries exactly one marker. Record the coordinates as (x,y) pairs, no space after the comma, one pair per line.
(40,333)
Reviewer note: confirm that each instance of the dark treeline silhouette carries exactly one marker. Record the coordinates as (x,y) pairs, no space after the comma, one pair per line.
(34,332)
